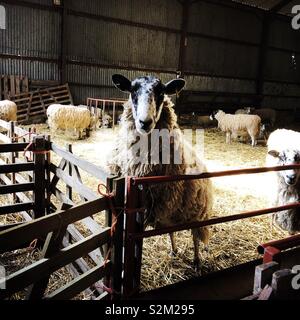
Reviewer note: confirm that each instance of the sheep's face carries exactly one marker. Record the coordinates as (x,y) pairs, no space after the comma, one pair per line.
(213,115)
(147,97)
(288,157)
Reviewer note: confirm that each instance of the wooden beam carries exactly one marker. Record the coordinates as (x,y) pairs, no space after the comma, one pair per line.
(13,208)
(96,171)
(183,38)
(19,187)
(262,56)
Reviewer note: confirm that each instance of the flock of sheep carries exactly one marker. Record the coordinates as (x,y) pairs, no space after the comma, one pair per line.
(149,107)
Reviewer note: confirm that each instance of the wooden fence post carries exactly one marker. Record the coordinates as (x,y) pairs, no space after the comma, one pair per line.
(12,155)
(118,238)
(39,177)
(68,188)
(133,248)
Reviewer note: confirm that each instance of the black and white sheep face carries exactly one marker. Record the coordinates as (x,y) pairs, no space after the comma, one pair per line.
(213,115)
(147,96)
(288,157)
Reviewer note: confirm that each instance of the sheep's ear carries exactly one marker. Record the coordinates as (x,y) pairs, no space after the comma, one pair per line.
(121,82)
(174,86)
(274,153)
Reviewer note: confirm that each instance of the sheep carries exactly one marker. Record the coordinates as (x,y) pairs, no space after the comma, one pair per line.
(284,149)
(232,124)
(106,121)
(267,115)
(8,110)
(149,109)
(69,117)
(243,111)
(206,122)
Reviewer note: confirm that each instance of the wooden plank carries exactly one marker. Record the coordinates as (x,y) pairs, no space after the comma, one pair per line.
(118,239)
(1,91)
(18,90)
(78,187)
(45,266)
(5,138)
(12,85)
(46,224)
(11,225)
(79,284)
(22,197)
(25,84)
(13,208)
(5,87)
(39,177)
(68,188)
(88,167)
(9,147)
(77,236)
(4,124)
(16,167)
(50,248)
(16,188)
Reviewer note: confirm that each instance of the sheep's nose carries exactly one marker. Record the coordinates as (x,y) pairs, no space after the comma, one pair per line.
(145,124)
(292,178)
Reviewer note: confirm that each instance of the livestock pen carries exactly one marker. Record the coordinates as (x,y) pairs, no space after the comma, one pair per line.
(93,248)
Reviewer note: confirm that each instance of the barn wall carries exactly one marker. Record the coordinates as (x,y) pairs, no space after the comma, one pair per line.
(105,37)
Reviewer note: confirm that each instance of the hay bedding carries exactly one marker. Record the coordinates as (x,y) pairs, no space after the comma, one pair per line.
(230,244)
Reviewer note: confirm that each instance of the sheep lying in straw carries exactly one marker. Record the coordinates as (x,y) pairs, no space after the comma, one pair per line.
(149,108)
(8,110)
(284,149)
(232,124)
(69,117)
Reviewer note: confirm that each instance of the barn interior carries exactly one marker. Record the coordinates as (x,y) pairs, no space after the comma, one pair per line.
(233,54)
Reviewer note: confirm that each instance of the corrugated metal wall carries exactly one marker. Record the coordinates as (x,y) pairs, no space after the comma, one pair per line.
(116,36)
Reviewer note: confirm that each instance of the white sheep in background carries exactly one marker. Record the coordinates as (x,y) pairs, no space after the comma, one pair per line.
(149,108)
(284,149)
(233,124)
(106,121)
(243,111)
(66,117)
(8,110)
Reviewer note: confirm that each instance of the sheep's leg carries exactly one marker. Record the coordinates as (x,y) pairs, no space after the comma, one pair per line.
(173,244)
(196,241)
(253,141)
(203,235)
(228,137)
